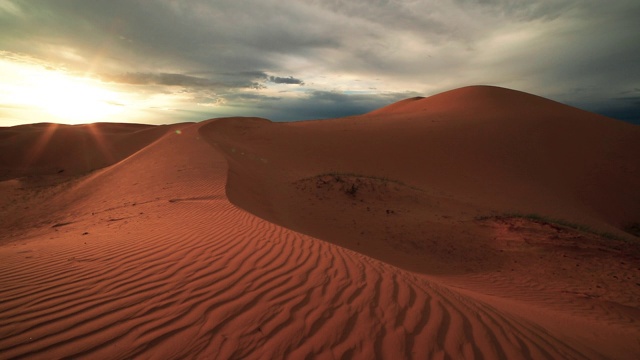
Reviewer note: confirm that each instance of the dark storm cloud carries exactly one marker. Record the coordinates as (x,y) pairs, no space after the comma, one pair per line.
(226,36)
(248,79)
(330,104)
(240,97)
(161,79)
(324,104)
(187,81)
(253,74)
(286,80)
(234,48)
(314,105)
(625,108)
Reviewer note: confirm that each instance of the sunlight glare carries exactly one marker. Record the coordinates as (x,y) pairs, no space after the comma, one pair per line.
(75,100)
(70,99)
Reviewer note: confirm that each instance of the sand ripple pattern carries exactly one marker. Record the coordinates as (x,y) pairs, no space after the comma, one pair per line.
(231,286)
(198,278)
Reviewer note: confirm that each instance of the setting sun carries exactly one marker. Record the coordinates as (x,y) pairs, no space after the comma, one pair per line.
(75,100)
(33,91)
(68,98)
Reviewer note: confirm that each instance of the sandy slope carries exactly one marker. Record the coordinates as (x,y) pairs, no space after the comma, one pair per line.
(45,149)
(147,258)
(41,161)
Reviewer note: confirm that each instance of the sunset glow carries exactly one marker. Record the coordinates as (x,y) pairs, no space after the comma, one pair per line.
(66,98)
(76,100)
(167,62)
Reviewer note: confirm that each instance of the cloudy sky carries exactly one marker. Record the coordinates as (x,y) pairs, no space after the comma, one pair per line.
(166,61)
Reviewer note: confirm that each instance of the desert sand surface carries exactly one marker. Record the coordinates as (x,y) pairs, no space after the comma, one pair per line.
(478,223)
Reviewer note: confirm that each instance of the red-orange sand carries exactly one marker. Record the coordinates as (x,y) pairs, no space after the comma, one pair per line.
(388,235)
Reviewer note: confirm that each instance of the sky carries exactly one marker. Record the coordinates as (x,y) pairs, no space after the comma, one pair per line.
(168,61)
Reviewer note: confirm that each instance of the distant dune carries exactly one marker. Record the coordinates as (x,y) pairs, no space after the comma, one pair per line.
(477,223)
(45,149)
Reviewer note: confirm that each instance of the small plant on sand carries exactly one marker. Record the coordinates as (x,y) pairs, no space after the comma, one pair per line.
(343,176)
(352,190)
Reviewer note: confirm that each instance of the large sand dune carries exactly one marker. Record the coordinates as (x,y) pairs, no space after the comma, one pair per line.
(385,235)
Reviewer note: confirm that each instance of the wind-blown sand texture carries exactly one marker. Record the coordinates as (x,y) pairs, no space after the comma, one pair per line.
(387,235)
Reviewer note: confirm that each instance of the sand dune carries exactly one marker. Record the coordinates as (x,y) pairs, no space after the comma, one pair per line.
(146,257)
(45,149)
(496,149)
(435,168)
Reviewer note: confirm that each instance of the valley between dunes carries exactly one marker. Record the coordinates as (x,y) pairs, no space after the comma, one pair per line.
(478,223)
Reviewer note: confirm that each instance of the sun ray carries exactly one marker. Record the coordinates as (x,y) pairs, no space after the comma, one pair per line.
(40,144)
(98,136)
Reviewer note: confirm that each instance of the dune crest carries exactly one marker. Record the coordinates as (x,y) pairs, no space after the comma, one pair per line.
(469,99)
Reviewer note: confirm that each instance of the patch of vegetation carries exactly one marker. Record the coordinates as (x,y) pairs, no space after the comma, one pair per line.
(343,176)
(352,190)
(553,221)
